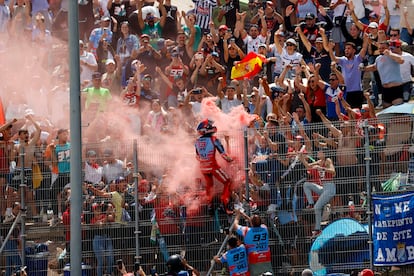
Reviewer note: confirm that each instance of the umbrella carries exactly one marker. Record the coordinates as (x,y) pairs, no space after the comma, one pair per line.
(405,108)
(341,246)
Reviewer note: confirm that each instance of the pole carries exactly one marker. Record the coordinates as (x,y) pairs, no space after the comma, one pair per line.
(246,170)
(6,239)
(23,208)
(136,184)
(369,195)
(75,138)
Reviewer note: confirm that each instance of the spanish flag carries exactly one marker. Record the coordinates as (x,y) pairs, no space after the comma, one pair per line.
(248,67)
(2,114)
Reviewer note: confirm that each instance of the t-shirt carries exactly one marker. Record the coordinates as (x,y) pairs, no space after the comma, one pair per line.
(351,72)
(253,43)
(96,99)
(388,69)
(330,94)
(86,72)
(63,157)
(204,12)
(292,59)
(256,240)
(236,259)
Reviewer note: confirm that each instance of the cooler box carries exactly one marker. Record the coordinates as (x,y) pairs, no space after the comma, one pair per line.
(86,270)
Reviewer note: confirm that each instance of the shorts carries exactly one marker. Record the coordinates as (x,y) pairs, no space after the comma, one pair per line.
(17,180)
(336,35)
(392,93)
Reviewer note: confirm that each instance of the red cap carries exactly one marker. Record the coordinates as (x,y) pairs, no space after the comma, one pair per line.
(270,3)
(223,27)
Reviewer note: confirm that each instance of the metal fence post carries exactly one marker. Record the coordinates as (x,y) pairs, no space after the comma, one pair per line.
(136,184)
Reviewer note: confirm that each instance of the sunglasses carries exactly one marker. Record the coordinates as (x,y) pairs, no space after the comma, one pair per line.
(333,79)
(311,81)
(393,35)
(290,44)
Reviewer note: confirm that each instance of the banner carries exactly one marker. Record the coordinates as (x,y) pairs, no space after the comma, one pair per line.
(393,229)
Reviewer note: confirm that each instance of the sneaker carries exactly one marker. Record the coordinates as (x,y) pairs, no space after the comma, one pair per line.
(315,234)
(271,209)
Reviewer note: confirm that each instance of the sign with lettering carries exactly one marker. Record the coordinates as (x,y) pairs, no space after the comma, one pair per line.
(393,229)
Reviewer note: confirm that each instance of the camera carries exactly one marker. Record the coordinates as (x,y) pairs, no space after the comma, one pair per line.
(196,91)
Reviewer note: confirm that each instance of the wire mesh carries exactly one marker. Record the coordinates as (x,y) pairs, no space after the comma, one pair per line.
(174,217)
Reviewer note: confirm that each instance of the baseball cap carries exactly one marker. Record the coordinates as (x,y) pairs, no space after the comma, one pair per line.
(215,54)
(109,61)
(310,15)
(231,87)
(96,75)
(319,39)
(108,152)
(270,3)
(105,18)
(144,36)
(373,25)
(291,40)
(262,45)
(223,27)
(119,179)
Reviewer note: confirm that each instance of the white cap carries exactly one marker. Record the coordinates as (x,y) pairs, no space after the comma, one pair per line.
(292,41)
(373,25)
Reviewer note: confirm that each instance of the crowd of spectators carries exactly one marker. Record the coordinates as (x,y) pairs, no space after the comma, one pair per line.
(328,68)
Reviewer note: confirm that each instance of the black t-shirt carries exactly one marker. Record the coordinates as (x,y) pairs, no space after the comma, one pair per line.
(170,28)
(324,59)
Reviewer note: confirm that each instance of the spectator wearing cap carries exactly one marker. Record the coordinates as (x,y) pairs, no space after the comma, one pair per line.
(194,98)
(151,25)
(95,97)
(272,17)
(319,52)
(405,68)
(113,167)
(228,10)
(388,66)
(103,32)
(310,27)
(93,170)
(148,94)
(88,63)
(254,38)
(350,70)
(148,54)
(111,79)
(275,57)
(289,55)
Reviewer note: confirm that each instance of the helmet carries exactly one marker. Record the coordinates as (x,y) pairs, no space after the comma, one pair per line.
(174,263)
(206,127)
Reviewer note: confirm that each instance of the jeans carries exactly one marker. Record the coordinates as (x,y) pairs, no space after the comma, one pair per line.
(13,260)
(103,249)
(325,192)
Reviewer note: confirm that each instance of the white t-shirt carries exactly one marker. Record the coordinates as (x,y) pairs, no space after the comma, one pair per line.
(293,59)
(227,105)
(86,72)
(405,68)
(253,43)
